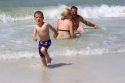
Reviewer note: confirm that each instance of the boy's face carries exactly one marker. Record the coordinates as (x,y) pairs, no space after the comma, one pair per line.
(38,18)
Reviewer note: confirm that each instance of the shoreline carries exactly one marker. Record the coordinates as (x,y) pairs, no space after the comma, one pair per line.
(81,69)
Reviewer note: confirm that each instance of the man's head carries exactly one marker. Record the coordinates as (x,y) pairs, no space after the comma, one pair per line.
(38,17)
(74,11)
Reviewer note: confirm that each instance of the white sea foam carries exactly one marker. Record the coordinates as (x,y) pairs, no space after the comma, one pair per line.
(102,11)
(87,51)
(5,55)
(16,55)
(54,12)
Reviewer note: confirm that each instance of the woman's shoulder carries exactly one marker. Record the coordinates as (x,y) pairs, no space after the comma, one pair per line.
(69,20)
(60,21)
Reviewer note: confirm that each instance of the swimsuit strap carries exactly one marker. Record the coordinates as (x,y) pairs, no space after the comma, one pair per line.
(63,30)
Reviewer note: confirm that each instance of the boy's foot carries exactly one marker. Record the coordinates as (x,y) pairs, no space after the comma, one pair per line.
(44,62)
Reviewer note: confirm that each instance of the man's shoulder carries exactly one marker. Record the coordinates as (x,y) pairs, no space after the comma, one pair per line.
(79,16)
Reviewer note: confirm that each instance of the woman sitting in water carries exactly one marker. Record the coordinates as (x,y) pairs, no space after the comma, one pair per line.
(64,25)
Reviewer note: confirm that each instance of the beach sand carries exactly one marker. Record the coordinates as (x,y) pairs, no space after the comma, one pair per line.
(65,69)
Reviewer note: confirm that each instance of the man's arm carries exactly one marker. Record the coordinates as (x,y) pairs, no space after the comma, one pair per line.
(87,22)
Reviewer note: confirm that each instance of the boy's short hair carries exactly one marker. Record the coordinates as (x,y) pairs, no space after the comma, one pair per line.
(38,12)
(74,7)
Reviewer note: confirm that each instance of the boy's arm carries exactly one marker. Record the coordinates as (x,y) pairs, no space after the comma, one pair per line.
(57,24)
(35,34)
(54,30)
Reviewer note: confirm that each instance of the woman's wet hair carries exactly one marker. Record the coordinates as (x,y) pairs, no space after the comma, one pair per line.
(66,13)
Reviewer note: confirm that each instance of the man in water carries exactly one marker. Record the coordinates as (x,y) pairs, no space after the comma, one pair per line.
(77,19)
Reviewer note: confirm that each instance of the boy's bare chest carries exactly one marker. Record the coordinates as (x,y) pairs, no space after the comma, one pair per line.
(42,29)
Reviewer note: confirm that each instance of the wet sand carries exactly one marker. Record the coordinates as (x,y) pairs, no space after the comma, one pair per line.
(70,69)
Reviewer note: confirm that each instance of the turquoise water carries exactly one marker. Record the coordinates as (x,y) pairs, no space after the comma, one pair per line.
(41,3)
(16,25)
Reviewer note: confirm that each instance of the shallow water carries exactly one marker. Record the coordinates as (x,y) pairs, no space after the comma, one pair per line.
(16,26)
(16,40)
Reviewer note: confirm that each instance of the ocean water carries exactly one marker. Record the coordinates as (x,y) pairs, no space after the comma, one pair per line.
(16,26)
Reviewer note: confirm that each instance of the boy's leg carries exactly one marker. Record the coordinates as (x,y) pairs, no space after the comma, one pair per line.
(45,53)
(44,62)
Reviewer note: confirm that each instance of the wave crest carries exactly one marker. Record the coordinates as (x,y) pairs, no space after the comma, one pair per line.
(16,14)
(62,52)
